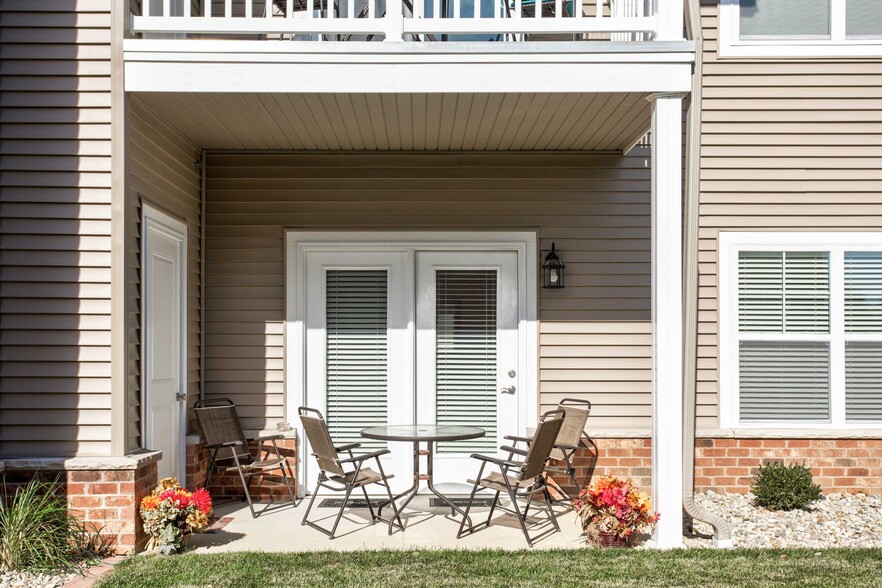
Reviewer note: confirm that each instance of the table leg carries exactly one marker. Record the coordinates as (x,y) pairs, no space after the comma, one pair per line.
(430,473)
(412,491)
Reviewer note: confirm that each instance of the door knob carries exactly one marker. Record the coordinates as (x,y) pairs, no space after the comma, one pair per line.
(180,396)
(508,390)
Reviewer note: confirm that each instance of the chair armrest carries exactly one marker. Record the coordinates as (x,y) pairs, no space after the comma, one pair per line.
(565,446)
(497,461)
(347,447)
(518,439)
(514,450)
(272,437)
(227,444)
(365,456)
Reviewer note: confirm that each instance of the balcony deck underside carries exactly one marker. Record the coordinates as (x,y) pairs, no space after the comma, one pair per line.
(405,122)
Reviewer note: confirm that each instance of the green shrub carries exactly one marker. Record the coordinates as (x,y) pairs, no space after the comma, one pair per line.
(777,486)
(37,532)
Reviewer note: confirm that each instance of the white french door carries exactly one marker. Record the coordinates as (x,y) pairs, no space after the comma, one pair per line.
(359,333)
(411,333)
(467,351)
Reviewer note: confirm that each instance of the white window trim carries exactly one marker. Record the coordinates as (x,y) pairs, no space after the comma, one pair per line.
(298,243)
(731,44)
(730,244)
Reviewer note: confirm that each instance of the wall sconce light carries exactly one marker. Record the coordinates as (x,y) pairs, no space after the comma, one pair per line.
(552,270)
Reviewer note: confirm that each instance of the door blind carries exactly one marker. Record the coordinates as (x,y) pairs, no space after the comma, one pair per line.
(784,381)
(863,381)
(357,359)
(465,354)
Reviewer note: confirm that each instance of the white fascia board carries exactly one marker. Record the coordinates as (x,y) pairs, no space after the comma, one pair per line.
(510,75)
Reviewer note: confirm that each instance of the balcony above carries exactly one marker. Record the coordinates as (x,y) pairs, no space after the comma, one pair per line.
(401,46)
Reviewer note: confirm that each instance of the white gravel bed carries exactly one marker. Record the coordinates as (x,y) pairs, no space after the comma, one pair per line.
(12,579)
(837,520)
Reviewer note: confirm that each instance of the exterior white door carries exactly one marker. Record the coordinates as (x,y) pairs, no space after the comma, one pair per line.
(359,332)
(468,361)
(163,348)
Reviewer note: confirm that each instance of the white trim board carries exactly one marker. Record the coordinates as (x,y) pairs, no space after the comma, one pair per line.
(730,243)
(298,243)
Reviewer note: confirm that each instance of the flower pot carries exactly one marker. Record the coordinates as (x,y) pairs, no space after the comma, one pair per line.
(612,540)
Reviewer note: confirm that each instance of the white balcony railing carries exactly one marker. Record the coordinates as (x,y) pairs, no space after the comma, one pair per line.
(399,20)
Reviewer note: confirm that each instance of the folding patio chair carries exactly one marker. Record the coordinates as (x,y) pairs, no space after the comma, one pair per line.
(222,431)
(527,479)
(332,475)
(567,443)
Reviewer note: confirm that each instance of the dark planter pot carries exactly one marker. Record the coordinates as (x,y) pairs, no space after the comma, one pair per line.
(611,540)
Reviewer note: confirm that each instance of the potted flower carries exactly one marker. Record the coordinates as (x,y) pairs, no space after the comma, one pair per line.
(170,513)
(613,510)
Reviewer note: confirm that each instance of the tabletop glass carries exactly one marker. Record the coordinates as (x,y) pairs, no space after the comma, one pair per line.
(422,432)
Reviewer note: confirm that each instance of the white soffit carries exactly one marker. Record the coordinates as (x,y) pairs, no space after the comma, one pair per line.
(405,122)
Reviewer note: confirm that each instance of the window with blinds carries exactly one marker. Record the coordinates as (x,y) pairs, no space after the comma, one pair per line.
(784,294)
(357,360)
(465,354)
(863,327)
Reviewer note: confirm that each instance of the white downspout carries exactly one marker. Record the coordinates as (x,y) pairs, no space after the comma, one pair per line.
(722,531)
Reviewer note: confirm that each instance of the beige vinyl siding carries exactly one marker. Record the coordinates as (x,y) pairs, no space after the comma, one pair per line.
(162,171)
(55,228)
(785,145)
(594,334)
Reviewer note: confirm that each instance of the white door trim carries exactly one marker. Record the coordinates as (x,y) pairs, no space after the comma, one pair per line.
(176,230)
(298,243)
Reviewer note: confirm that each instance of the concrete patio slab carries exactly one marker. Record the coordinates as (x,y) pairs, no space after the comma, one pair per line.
(279,529)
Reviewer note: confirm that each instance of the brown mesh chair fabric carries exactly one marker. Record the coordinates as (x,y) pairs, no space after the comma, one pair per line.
(335,477)
(222,431)
(518,479)
(567,443)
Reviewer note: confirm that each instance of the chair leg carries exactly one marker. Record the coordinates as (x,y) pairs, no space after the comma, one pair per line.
(245,484)
(521,518)
(288,486)
(370,508)
(342,509)
(311,501)
(547,495)
(492,507)
(465,516)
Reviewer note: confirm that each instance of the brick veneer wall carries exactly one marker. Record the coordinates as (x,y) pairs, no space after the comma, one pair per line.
(226,485)
(106,500)
(838,465)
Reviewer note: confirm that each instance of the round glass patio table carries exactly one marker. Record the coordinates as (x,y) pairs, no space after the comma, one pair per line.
(428,435)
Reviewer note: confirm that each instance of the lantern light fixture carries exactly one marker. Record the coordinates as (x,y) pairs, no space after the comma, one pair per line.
(552,270)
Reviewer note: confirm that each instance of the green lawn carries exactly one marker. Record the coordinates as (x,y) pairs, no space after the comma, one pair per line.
(586,568)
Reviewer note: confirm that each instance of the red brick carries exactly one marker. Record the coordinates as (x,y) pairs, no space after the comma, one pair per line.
(104,488)
(118,475)
(84,476)
(86,501)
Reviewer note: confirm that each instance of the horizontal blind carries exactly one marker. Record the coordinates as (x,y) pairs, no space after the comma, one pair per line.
(465,354)
(863,292)
(784,381)
(357,358)
(783,292)
(863,381)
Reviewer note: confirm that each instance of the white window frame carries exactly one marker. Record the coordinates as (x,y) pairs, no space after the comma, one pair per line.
(732,45)
(730,245)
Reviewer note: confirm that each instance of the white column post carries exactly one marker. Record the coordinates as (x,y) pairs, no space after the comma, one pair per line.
(667,318)
(394,20)
(671,21)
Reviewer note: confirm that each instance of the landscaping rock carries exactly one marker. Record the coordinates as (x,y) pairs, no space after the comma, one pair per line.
(837,520)
(15,579)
